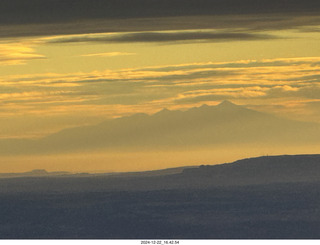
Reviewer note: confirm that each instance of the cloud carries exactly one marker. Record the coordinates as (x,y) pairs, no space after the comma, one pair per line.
(110,54)
(221,94)
(55,11)
(56,17)
(177,36)
(149,89)
(274,85)
(17,54)
(277,70)
(264,93)
(40,98)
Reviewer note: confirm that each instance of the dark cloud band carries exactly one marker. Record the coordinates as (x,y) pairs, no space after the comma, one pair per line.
(167,37)
(55,11)
(55,17)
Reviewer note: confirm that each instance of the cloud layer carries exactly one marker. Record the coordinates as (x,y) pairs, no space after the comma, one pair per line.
(109,54)
(284,82)
(154,37)
(55,11)
(57,17)
(17,53)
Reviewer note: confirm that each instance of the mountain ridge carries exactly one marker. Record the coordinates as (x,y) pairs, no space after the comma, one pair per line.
(265,170)
(204,126)
(265,162)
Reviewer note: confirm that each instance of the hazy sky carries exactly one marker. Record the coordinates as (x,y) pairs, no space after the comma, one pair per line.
(66,63)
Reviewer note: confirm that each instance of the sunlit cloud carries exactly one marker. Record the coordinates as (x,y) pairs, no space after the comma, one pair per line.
(220,93)
(17,54)
(114,93)
(110,54)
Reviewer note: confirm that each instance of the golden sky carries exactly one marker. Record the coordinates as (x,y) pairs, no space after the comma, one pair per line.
(83,69)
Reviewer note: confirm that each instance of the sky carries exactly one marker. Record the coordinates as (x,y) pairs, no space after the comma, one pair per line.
(67,63)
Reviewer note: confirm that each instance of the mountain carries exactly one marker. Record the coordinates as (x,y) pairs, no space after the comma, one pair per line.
(44,173)
(34,173)
(260,170)
(205,126)
(266,170)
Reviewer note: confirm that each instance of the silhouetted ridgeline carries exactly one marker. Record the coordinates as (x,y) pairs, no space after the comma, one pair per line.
(34,173)
(253,171)
(261,170)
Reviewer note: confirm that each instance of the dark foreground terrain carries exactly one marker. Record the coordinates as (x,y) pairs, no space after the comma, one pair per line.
(61,207)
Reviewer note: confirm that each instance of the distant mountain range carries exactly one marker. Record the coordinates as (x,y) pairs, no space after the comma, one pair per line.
(44,173)
(203,126)
(247,172)
(34,173)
